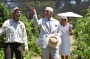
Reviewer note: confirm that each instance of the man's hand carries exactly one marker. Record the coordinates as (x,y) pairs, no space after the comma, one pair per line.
(56,34)
(26,50)
(33,10)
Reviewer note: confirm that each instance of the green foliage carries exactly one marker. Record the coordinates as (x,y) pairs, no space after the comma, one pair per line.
(4,15)
(57,17)
(1,54)
(41,4)
(32,33)
(82,31)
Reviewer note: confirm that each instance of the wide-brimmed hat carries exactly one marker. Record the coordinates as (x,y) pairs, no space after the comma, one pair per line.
(16,8)
(53,40)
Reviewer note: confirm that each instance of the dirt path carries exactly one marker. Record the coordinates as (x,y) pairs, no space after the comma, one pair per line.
(72,40)
(36,57)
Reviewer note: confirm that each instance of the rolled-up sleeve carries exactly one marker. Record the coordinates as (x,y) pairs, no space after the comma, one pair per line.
(36,21)
(25,40)
(3,28)
(59,29)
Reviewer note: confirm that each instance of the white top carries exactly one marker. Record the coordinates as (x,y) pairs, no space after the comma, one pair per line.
(15,32)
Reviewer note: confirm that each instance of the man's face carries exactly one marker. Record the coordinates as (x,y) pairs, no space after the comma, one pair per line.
(17,13)
(47,13)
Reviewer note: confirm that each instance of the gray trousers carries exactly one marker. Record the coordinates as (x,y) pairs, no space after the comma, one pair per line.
(12,48)
(54,52)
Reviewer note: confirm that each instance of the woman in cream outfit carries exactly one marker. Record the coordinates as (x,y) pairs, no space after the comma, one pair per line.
(65,45)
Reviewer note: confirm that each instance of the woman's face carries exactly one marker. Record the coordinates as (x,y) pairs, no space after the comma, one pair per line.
(63,21)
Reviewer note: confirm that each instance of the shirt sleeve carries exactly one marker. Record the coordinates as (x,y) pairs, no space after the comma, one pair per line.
(59,29)
(24,35)
(3,28)
(36,21)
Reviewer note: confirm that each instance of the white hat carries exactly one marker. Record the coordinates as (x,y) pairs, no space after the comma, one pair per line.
(53,40)
(49,9)
(16,8)
(64,17)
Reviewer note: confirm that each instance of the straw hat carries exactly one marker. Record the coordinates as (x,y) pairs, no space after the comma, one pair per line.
(53,40)
(16,8)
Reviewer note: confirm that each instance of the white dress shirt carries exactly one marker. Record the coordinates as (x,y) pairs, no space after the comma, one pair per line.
(15,32)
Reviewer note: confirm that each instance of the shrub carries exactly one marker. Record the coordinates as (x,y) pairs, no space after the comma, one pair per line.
(82,31)
(4,15)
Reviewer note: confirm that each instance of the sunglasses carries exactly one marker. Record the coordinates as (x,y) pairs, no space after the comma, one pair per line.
(46,11)
(63,19)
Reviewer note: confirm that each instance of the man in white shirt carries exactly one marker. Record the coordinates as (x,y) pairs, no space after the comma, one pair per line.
(48,25)
(15,35)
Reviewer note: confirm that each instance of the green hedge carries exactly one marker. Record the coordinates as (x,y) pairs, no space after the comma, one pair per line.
(82,31)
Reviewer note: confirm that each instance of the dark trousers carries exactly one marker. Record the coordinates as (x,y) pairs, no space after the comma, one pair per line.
(12,48)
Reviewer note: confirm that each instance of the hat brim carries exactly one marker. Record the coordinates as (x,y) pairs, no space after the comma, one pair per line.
(53,45)
(16,8)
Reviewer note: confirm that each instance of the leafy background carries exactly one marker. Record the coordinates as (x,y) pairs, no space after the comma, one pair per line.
(82,42)
(82,32)
(32,33)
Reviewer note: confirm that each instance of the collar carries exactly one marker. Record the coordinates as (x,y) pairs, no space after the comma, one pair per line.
(49,20)
(15,21)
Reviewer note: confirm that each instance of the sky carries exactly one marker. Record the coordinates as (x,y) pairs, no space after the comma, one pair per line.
(73,1)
